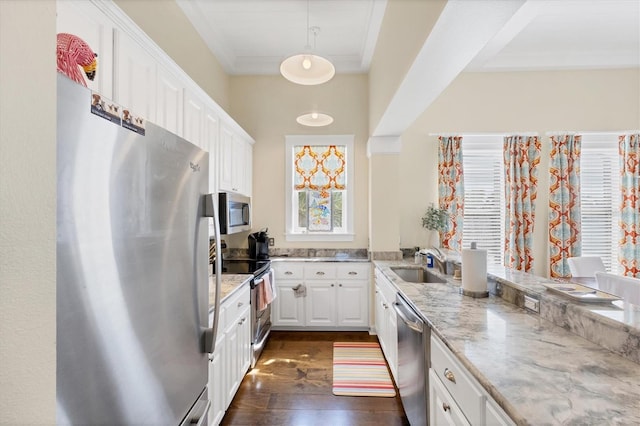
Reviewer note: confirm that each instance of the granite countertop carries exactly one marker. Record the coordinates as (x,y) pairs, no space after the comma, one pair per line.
(537,371)
(319,259)
(230,283)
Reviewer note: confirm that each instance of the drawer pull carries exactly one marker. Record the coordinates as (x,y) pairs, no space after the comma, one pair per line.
(240,304)
(288,273)
(319,273)
(446,406)
(332,285)
(449,375)
(353,273)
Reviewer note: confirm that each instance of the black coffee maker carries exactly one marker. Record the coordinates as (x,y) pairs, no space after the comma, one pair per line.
(259,245)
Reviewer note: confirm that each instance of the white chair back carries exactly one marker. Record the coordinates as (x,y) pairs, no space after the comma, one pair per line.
(585,266)
(627,288)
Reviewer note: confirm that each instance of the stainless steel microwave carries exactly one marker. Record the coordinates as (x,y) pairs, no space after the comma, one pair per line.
(235,213)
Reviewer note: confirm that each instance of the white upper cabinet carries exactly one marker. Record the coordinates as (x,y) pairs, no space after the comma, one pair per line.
(81,18)
(194,120)
(247,168)
(235,161)
(135,77)
(226,167)
(169,104)
(212,135)
(136,74)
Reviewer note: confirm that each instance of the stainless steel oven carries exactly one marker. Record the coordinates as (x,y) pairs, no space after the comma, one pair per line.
(260,308)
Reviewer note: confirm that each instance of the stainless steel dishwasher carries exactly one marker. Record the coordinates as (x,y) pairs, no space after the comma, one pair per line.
(413,362)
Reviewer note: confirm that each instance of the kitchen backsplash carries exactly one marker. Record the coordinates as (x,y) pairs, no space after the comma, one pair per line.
(304,252)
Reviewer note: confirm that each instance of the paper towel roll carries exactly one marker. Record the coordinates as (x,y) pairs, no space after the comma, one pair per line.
(474,272)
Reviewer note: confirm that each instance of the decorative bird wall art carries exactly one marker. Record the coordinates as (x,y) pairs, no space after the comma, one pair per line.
(73,52)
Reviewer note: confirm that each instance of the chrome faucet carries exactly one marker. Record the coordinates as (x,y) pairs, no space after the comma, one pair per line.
(441,265)
(438,258)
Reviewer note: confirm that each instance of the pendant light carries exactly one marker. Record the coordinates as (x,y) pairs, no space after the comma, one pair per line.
(306,68)
(315,119)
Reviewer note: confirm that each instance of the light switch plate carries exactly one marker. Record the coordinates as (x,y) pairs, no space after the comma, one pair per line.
(532,304)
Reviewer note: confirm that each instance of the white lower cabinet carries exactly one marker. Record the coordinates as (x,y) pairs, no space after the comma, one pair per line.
(320,303)
(443,409)
(287,309)
(232,356)
(386,321)
(455,397)
(321,295)
(495,416)
(217,390)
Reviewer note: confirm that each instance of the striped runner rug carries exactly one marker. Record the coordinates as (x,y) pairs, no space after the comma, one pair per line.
(359,369)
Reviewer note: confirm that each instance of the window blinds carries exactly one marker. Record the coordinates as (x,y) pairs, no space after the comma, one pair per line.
(484,195)
(600,198)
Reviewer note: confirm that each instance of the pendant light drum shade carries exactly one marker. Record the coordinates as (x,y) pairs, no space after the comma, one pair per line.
(315,119)
(307,69)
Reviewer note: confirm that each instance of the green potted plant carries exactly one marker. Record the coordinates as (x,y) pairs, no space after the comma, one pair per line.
(435,219)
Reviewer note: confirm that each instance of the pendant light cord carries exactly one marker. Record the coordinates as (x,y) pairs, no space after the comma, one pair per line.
(308,23)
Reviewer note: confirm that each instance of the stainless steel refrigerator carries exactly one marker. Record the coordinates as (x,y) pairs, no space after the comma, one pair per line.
(132,280)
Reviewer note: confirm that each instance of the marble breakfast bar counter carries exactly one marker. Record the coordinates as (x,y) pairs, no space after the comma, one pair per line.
(537,371)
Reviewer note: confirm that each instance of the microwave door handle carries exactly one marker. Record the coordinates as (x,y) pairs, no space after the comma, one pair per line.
(211,210)
(246,212)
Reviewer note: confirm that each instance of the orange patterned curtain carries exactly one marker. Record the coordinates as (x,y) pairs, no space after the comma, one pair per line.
(521,159)
(451,189)
(629,247)
(564,203)
(319,168)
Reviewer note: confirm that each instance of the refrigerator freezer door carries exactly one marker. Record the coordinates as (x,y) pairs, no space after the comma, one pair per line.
(132,283)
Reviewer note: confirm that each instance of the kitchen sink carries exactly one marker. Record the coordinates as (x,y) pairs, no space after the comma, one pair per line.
(417,275)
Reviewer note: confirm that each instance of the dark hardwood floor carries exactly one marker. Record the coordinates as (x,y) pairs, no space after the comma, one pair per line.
(292,384)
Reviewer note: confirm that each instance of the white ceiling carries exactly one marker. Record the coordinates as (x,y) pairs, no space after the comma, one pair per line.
(254,36)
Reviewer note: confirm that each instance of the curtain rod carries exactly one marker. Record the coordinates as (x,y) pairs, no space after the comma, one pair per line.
(609,132)
(486,134)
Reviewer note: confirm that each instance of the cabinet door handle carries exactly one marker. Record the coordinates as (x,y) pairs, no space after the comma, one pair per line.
(449,375)
(288,273)
(240,304)
(319,273)
(353,273)
(446,406)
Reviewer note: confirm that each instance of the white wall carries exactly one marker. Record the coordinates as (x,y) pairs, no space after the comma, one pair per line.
(604,100)
(267,107)
(405,27)
(27,212)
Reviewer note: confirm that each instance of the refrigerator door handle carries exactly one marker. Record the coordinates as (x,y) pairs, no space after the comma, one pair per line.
(211,210)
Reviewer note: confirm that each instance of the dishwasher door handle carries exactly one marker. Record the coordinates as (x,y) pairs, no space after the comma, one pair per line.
(413,325)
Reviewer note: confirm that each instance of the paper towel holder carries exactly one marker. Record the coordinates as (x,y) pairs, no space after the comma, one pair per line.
(471,293)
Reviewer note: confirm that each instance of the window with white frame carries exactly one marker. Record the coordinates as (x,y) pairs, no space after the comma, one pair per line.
(600,197)
(484,202)
(319,185)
